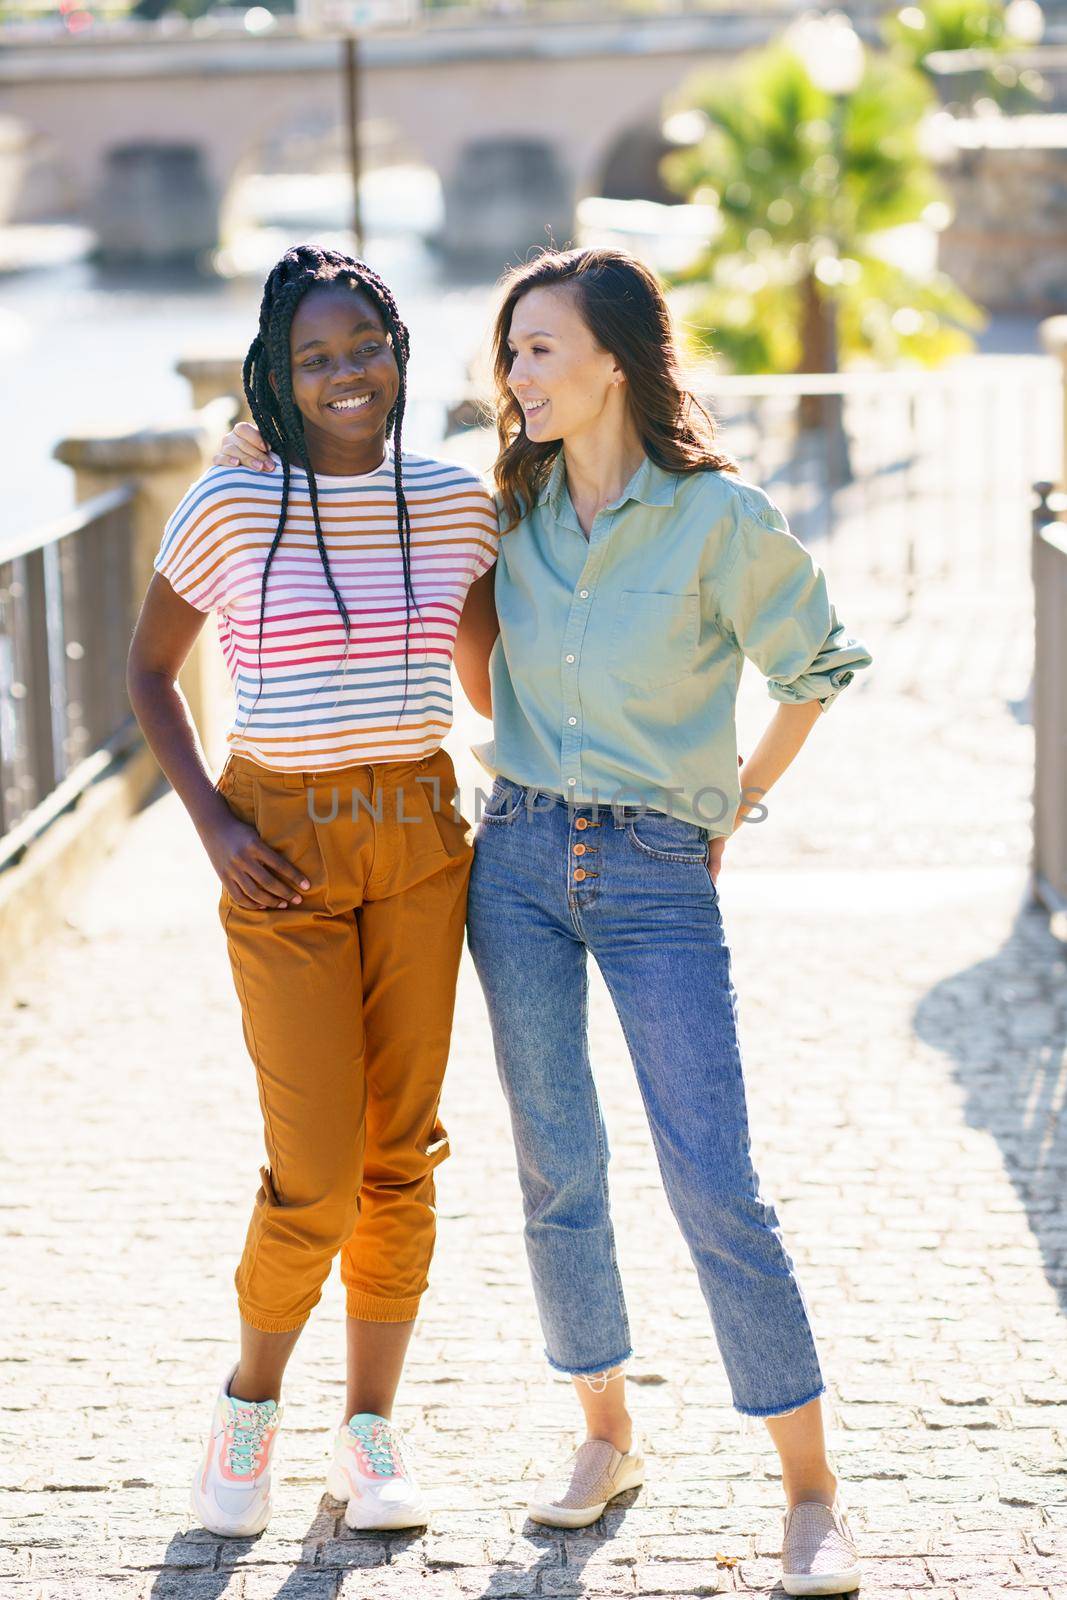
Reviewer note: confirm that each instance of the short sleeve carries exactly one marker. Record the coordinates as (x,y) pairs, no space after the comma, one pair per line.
(773,598)
(486,538)
(190,554)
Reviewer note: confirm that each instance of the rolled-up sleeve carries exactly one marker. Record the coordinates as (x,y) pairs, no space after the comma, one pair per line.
(773,599)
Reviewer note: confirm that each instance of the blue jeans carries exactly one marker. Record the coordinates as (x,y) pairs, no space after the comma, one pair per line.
(648,911)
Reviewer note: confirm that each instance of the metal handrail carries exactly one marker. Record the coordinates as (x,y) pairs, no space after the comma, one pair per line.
(17,841)
(706,381)
(66,600)
(1049,570)
(71,523)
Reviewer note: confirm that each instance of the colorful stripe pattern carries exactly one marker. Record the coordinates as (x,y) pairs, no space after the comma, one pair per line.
(318,710)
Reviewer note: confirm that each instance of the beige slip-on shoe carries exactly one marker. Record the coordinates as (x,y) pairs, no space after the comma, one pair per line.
(818,1550)
(576,1492)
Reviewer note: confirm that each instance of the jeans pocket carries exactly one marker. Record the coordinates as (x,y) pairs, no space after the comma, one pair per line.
(669,839)
(505,802)
(707,867)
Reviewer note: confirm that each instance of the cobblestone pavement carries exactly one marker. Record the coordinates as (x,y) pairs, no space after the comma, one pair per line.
(904,1017)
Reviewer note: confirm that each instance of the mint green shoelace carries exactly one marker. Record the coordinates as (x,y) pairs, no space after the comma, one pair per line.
(382,1447)
(250,1425)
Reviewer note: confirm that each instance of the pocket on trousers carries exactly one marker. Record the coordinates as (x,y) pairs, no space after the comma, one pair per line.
(237,788)
(437,1148)
(435,828)
(268,1194)
(707,869)
(505,801)
(669,839)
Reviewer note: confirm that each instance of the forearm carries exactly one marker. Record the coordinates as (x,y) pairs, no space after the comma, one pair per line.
(778,745)
(476,685)
(167,724)
(475,637)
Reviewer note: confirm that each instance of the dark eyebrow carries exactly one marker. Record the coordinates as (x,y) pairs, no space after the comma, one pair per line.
(538,333)
(358,328)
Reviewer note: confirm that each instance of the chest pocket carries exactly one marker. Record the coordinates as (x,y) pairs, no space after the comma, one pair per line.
(655,638)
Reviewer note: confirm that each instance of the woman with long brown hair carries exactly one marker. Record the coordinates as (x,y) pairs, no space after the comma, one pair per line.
(636,571)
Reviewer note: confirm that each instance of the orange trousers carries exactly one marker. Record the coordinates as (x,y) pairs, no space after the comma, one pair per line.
(347,1001)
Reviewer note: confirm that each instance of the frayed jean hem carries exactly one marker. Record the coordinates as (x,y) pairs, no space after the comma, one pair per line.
(782,1411)
(585,1372)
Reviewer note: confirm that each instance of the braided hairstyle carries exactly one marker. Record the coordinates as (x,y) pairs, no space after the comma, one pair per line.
(278,418)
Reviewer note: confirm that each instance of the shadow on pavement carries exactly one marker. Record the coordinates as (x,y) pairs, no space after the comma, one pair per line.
(1004,1023)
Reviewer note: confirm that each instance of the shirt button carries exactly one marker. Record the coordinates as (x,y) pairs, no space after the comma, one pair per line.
(572,781)
(578,875)
(570,658)
(583,594)
(582,822)
(572,720)
(580,849)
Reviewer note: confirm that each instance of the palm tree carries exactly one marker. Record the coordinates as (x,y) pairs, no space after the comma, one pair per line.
(916,32)
(805,181)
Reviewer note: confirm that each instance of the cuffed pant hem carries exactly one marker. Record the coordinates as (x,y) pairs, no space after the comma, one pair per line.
(364,1307)
(585,1372)
(265,1324)
(781,1411)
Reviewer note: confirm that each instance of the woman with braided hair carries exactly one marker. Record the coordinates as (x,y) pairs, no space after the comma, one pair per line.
(637,571)
(340,585)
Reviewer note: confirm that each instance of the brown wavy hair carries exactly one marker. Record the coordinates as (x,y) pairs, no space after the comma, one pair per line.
(623,307)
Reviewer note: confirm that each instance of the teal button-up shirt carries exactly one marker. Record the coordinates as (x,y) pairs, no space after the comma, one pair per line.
(616,671)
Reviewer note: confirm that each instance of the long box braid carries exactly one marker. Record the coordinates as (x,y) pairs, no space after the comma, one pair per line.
(278,418)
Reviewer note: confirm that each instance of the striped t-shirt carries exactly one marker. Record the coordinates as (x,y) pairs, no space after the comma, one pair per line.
(316,710)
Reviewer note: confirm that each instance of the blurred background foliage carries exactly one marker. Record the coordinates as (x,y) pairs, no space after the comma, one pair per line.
(807,183)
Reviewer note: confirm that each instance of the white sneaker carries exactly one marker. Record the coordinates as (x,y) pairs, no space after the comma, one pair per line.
(370,1473)
(231,1492)
(576,1493)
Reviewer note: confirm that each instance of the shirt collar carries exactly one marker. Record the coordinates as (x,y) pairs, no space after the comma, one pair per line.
(650,486)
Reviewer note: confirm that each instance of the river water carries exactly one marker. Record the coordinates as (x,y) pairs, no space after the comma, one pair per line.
(82,349)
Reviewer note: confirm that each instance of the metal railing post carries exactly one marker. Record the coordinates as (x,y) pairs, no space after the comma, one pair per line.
(41,739)
(1049,568)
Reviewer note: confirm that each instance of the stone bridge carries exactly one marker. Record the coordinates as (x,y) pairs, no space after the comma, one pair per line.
(518,120)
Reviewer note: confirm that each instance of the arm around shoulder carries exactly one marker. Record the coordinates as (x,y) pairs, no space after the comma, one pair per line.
(475,637)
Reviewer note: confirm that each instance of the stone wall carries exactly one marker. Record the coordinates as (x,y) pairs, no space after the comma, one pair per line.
(1007,182)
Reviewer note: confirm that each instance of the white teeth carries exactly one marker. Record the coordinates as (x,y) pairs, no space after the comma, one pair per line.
(534,405)
(350,405)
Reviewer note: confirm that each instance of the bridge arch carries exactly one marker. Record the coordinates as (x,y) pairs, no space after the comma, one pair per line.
(627,166)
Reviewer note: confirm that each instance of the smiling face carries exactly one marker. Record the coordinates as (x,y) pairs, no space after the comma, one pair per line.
(560,376)
(344,376)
